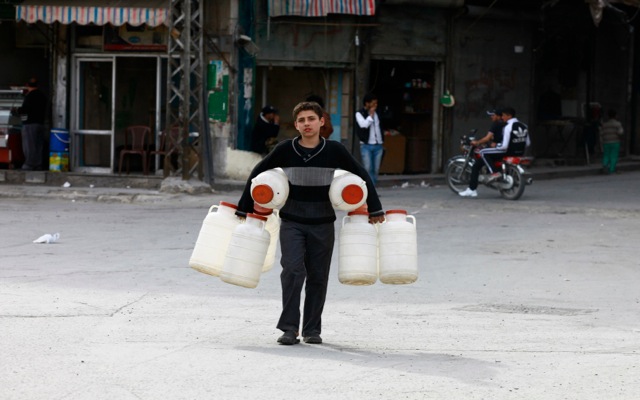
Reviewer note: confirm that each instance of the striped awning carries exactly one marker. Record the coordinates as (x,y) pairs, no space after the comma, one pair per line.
(320,8)
(117,12)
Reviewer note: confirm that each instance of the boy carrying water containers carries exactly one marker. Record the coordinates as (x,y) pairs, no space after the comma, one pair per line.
(307,231)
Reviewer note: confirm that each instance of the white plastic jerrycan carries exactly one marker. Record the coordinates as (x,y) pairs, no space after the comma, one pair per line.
(270,188)
(273,227)
(398,248)
(213,239)
(358,249)
(246,253)
(347,191)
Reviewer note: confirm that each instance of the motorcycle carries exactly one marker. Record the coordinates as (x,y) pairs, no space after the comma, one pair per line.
(513,177)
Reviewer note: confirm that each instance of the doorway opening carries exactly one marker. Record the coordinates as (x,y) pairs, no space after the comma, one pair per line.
(405,91)
(110,94)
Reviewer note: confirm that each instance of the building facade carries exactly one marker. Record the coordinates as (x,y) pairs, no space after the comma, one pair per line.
(106,67)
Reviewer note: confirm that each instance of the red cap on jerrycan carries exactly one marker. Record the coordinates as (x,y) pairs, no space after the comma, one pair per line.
(258,209)
(270,188)
(347,191)
(262,194)
(352,194)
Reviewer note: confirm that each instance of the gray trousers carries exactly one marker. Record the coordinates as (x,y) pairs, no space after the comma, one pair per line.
(33,145)
(306,256)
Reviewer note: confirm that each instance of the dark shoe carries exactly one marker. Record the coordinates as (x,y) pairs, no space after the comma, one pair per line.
(289,338)
(315,339)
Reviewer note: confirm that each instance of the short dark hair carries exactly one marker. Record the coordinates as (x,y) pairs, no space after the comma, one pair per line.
(509,110)
(307,106)
(316,99)
(369,97)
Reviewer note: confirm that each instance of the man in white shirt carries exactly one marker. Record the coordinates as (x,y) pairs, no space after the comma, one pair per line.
(371,136)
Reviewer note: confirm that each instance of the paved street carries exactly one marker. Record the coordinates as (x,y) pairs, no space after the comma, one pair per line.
(533,299)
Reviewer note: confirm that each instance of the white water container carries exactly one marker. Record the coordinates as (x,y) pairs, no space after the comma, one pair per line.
(358,250)
(270,188)
(347,191)
(273,227)
(213,239)
(398,248)
(246,253)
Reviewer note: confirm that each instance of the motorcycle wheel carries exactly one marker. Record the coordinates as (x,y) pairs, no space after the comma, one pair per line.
(517,189)
(458,175)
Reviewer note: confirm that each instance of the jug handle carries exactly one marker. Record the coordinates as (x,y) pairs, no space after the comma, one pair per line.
(413,218)
(212,207)
(344,219)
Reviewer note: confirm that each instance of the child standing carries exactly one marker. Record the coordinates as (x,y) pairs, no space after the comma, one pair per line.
(610,134)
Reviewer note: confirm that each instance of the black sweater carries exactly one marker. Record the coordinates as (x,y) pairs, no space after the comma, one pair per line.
(310,173)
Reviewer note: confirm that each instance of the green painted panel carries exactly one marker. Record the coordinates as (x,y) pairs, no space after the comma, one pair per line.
(218,87)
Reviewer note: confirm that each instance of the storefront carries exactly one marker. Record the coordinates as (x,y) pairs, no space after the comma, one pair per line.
(343,55)
(109,72)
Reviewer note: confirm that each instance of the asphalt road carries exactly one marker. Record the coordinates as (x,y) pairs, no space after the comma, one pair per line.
(532,299)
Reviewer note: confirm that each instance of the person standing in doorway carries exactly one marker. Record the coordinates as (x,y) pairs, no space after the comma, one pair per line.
(371,136)
(307,231)
(32,113)
(265,130)
(610,134)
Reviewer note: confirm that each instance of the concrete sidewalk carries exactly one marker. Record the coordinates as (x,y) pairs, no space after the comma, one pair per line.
(138,188)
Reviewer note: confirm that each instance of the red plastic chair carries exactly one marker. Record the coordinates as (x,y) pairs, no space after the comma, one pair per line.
(136,139)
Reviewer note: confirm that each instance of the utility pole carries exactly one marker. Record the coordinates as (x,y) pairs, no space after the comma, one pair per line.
(185,108)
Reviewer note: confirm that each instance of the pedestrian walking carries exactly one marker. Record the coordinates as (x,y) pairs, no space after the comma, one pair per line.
(307,230)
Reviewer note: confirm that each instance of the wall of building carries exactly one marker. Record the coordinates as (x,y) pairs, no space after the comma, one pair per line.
(25,54)
(487,72)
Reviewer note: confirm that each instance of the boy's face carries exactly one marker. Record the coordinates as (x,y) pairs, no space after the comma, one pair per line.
(308,123)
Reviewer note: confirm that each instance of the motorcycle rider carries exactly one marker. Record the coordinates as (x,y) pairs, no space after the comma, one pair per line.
(515,140)
(491,139)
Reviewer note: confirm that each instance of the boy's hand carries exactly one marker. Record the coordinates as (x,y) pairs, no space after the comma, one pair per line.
(376,219)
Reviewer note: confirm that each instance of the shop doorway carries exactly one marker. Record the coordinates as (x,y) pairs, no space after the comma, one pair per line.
(111,93)
(405,91)
(92,121)
(284,87)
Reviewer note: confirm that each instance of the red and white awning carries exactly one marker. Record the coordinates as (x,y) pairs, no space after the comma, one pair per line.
(133,12)
(320,8)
